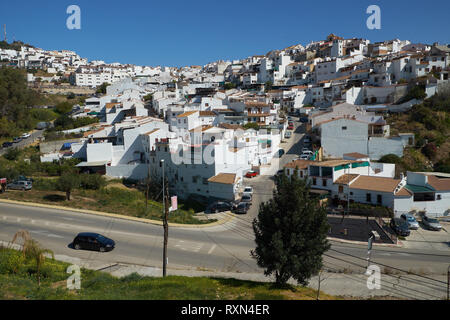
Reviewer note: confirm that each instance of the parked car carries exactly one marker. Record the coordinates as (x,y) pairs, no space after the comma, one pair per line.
(19,185)
(251,174)
(291,127)
(400,227)
(431,223)
(7,144)
(307,139)
(242,208)
(307,152)
(410,220)
(280,152)
(93,241)
(248,190)
(304,157)
(288,134)
(246,198)
(219,206)
(26,135)
(305,149)
(23,178)
(304,119)
(17,139)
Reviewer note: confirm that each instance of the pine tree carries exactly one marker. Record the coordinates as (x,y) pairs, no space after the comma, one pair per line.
(291,233)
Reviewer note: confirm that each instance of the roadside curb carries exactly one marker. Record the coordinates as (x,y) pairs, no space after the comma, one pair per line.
(118,216)
(398,245)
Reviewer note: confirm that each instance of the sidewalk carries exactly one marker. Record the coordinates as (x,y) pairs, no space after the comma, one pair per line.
(222,219)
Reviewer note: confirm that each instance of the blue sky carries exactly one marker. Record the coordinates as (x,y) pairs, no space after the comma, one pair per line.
(195,32)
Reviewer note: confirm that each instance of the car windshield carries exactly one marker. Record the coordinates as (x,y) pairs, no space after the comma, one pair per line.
(101,238)
(431,220)
(411,219)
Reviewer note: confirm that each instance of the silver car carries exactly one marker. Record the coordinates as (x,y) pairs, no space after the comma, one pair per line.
(432,224)
(19,185)
(412,222)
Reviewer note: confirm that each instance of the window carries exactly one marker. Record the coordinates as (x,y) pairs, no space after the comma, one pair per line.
(314,181)
(344,128)
(438,197)
(379,199)
(324,182)
(341,189)
(368,197)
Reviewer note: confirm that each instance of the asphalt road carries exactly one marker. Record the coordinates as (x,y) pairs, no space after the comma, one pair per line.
(36,134)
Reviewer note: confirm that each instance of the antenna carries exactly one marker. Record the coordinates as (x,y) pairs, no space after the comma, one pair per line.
(4,32)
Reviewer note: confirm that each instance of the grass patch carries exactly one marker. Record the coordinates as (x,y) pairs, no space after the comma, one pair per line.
(16,282)
(125,201)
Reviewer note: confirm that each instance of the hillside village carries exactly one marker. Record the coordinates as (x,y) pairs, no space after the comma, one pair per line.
(206,127)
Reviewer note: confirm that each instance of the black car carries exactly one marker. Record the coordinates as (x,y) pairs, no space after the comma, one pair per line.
(304,119)
(93,241)
(7,144)
(242,208)
(281,152)
(400,227)
(219,206)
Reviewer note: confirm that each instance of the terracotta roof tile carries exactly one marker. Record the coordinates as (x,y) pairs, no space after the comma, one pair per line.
(380,184)
(439,184)
(346,178)
(224,178)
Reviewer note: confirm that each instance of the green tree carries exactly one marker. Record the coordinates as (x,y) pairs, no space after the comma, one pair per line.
(63,107)
(251,125)
(229,85)
(12,154)
(67,182)
(291,233)
(268,86)
(32,250)
(390,158)
(101,89)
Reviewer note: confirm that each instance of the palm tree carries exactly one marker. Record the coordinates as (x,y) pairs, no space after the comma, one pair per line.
(33,250)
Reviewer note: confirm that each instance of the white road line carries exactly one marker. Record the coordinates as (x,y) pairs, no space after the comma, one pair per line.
(212,249)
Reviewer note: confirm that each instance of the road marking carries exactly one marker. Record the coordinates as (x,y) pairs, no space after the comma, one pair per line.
(212,249)
(189,246)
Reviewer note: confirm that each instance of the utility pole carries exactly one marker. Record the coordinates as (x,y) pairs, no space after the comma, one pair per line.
(165,218)
(448,283)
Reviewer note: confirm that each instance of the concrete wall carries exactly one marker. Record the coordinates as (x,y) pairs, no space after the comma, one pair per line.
(136,172)
(379,147)
(54,146)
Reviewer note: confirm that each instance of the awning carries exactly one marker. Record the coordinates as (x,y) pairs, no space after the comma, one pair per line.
(92,164)
(418,189)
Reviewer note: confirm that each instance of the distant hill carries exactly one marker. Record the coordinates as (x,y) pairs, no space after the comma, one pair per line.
(16,45)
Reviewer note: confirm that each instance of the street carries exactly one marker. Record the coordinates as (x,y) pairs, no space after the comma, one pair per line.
(36,134)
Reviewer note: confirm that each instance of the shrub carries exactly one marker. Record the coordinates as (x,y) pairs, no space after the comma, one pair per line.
(429,150)
(92,181)
(12,154)
(11,261)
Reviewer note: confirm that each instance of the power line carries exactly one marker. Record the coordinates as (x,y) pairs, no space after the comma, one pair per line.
(364,267)
(384,265)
